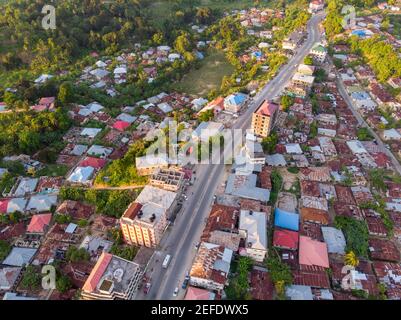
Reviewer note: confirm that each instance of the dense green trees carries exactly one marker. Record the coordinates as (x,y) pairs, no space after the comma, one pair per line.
(239,285)
(380,55)
(122,172)
(286,101)
(74,254)
(81,26)
(66,92)
(5,249)
(63,283)
(333,20)
(356,234)
(31,278)
(109,202)
(125,252)
(269,143)
(27,132)
(206,115)
(280,273)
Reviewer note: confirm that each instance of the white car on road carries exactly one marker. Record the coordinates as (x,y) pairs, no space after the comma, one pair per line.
(175,293)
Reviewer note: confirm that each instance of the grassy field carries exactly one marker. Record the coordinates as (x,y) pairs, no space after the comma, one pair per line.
(208,77)
(53,170)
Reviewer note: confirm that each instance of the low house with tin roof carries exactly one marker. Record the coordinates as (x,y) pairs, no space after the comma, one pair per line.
(39,223)
(313,253)
(285,239)
(194,293)
(211,267)
(19,257)
(222,227)
(9,277)
(253,229)
(334,239)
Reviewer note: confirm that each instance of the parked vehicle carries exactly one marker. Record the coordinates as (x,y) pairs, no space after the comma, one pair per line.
(147,288)
(185,283)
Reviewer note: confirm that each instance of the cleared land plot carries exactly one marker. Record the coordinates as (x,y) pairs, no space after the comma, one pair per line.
(208,77)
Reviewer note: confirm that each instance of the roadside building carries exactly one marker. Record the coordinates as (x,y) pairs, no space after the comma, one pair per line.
(264,118)
(234,102)
(147,165)
(293,40)
(146,219)
(222,227)
(168,179)
(302,80)
(211,267)
(319,53)
(194,293)
(112,278)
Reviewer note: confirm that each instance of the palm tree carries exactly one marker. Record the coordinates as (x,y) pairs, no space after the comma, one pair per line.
(351,259)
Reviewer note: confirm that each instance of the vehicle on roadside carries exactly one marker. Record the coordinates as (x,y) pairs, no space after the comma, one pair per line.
(166,261)
(146,289)
(175,293)
(185,283)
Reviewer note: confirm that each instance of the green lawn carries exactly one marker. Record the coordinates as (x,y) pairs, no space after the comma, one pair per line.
(53,170)
(208,77)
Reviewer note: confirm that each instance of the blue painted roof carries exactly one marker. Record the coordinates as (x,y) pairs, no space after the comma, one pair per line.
(236,99)
(199,55)
(360,33)
(286,220)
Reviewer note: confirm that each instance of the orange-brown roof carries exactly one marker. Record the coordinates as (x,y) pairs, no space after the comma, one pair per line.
(314,215)
(132,210)
(221,218)
(97,272)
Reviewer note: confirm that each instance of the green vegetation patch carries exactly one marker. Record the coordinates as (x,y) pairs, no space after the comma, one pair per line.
(109,202)
(356,233)
(208,77)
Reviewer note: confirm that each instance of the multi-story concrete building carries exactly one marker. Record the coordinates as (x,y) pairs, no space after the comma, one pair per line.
(302,80)
(112,278)
(234,102)
(145,220)
(168,179)
(147,165)
(319,53)
(263,118)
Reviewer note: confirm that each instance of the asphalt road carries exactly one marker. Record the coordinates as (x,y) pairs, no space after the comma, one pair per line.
(180,240)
